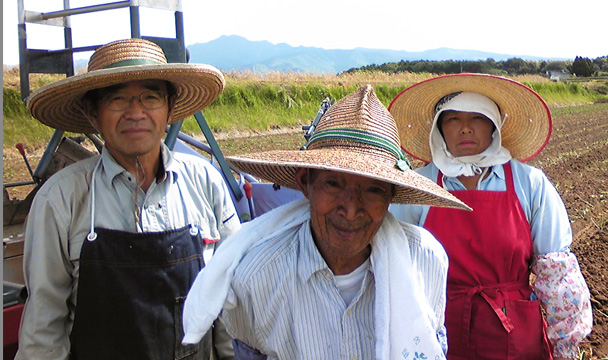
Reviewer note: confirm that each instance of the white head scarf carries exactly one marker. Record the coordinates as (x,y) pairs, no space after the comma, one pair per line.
(469,165)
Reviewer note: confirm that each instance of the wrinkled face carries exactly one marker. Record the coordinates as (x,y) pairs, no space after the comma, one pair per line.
(346,211)
(465,133)
(134,130)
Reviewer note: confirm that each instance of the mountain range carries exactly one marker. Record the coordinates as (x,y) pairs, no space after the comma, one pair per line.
(233,52)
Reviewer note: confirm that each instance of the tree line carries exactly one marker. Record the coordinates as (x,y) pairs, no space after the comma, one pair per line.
(580,67)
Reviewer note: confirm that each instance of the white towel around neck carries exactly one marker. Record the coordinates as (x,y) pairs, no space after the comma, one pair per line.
(403,327)
(470,165)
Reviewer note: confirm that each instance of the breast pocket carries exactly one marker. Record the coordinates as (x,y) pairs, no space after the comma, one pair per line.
(208,239)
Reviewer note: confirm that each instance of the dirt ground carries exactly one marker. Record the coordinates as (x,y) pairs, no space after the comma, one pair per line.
(575,160)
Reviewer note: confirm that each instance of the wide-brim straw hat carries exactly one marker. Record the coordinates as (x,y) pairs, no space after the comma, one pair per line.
(59,106)
(356,136)
(525,132)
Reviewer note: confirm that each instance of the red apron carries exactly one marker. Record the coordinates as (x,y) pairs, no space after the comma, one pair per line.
(489,314)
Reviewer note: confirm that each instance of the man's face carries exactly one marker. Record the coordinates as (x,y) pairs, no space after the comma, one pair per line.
(466,133)
(134,130)
(346,212)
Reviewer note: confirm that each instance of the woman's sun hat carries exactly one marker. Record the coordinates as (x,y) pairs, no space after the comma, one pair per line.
(59,105)
(358,136)
(526,129)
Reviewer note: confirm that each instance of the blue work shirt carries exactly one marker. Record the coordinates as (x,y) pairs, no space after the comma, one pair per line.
(59,221)
(540,202)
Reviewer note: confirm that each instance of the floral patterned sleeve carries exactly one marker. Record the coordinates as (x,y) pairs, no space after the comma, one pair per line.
(563,294)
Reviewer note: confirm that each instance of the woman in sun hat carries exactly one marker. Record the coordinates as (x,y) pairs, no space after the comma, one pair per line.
(113,242)
(332,276)
(474,131)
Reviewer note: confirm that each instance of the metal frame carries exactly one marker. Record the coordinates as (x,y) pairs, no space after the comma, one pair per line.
(62,62)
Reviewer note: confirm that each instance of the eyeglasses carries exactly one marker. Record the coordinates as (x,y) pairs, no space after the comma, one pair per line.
(148,99)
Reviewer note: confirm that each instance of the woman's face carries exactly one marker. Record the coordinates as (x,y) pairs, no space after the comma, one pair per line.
(465,133)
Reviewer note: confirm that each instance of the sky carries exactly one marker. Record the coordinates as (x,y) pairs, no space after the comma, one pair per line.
(544,28)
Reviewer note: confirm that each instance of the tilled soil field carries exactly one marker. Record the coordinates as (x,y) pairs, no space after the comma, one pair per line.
(575,160)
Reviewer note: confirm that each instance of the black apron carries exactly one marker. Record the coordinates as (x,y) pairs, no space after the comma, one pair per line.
(131,293)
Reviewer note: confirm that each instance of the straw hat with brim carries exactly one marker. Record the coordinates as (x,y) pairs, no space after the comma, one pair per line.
(357,136)
(525,133)
(59,106)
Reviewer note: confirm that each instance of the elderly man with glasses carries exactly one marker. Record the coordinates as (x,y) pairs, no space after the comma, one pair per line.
(114,242)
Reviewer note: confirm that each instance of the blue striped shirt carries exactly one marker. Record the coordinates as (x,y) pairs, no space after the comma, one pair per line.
(289,307)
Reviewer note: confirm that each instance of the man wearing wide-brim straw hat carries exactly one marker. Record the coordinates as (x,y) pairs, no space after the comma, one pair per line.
(475,131)
(332,276)
(113,242)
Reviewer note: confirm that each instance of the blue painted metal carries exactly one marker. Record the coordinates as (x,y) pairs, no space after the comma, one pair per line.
(48,154)
(219,156)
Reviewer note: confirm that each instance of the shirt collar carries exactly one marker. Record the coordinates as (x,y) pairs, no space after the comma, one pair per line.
(311,260)
(498,171)
(170,165)
(168,160)
(112,169)
(495,171)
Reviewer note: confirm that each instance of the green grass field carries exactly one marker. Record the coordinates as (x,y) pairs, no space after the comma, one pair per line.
(255,102)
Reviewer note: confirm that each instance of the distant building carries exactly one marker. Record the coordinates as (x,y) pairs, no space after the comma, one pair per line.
(558,75)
